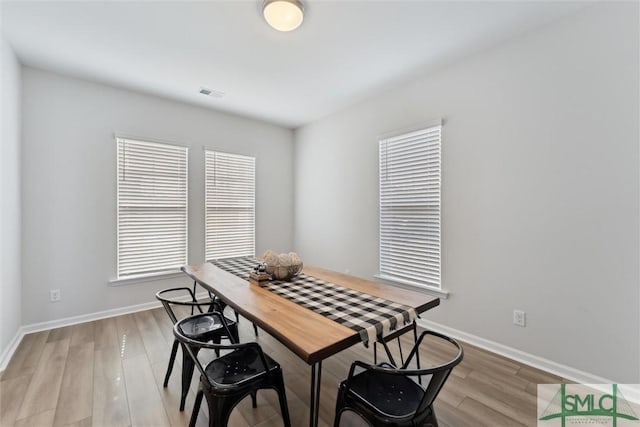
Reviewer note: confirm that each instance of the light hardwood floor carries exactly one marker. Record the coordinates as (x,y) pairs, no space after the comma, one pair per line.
(109,373)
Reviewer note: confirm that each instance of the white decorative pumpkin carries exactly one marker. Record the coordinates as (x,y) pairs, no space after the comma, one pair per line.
(283,266)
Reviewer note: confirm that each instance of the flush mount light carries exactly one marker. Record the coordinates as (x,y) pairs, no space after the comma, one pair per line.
(283,15)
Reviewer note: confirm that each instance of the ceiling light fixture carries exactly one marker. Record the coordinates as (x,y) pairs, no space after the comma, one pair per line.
(283,15)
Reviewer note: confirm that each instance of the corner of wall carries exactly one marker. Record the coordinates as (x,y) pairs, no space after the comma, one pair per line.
(10,199)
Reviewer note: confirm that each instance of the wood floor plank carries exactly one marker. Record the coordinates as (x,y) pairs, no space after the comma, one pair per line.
(43,419)
(129,356)
(172,393)
(60,334)
(476,359)
(75,401)
(298,410)
(164,323)
(12,392)
(82,333)
(486,416)
(537,376)
(14,366)
(236,420)
(461,371)
(264,410)
(509,403)
(508,382)
(128,336)
(27,355)
(154,341)
(110,406)
(451,395)
(42,393)
(106,334)
(450,415)
(145,403)
(85,422)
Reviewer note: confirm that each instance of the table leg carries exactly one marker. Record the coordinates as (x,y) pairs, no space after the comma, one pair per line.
(314,404)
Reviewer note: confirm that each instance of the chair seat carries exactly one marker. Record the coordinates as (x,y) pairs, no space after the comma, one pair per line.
(392,395)
(386,395)
(241,366)
(228,379)
(201,327)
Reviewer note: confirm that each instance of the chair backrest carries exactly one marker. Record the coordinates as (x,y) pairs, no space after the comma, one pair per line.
(181,296)
(194,346)
(437,375)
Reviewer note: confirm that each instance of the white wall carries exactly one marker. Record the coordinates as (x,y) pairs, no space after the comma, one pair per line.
(10,280)
(69,186)
(540,189)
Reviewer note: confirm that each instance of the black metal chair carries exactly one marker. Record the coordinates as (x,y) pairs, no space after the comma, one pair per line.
(386,395)
(222,305)
(228,379)
(212,331)
(411,327)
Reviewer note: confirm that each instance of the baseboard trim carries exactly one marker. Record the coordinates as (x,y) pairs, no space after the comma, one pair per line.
(492,346)
(89,317)
(518,355)
(11,348)
(74,320)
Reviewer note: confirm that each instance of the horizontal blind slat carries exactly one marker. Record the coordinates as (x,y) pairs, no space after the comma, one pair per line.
(152,206)
(229,205)
(409,191)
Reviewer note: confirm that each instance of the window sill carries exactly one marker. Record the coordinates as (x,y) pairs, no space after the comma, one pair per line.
(140,278)
(443,293)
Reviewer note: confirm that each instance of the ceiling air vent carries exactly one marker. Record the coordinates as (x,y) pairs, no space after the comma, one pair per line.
(211,92)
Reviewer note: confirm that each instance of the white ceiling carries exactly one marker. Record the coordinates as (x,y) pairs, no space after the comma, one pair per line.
(343,52)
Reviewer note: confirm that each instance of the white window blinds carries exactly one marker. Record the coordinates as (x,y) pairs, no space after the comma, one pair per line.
(410,207)
(152,207)
(229,205)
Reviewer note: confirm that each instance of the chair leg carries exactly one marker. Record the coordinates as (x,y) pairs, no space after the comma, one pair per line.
(340,404)
(187,373)
(195,284)
(282,398)
(431,418)
(196,408)
(219,409)
(415,340)
(255,328)
(172,360)
(216,340)
(234,333)
(336,421)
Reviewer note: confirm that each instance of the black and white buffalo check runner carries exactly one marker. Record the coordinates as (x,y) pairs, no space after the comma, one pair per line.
(370,316)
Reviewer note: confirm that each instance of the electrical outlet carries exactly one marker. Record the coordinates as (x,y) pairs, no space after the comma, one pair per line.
(519,318)
(54,295)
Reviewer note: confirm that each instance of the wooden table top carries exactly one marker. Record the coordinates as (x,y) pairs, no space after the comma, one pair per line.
(311,336)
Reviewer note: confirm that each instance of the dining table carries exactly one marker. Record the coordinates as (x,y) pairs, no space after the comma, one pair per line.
(311,333)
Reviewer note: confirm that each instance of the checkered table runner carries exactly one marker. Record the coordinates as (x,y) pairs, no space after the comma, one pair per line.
(370,316)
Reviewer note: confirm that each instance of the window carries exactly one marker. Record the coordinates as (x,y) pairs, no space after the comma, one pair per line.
(229,205)
(410,208)
(152,207)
